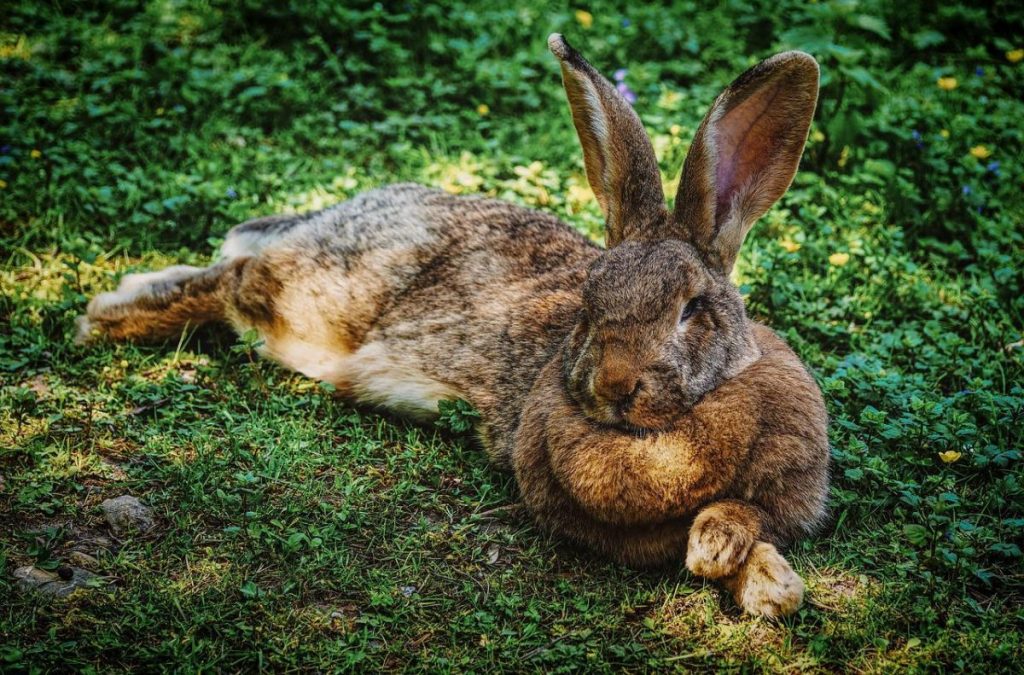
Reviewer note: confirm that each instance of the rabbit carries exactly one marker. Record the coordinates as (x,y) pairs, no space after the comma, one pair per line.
(644,415)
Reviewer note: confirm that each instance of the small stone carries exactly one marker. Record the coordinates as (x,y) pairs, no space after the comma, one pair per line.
(127,513)
(82,559)
(93,544)
(408,591)
(32,578)
(101,543)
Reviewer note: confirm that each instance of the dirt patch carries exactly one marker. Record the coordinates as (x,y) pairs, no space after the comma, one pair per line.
(837,590)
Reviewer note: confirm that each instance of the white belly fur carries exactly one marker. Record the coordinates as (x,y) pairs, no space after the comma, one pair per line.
(371,374)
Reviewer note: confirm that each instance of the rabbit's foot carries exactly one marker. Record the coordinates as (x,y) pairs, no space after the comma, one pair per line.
(86,331)
(719,543)
(106,309)
(766,585)
(151,304)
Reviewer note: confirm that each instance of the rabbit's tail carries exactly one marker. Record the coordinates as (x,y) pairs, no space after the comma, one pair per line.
(252,236)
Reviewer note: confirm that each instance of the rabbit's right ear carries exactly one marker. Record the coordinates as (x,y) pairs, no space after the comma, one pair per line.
(620,162)
(745,154)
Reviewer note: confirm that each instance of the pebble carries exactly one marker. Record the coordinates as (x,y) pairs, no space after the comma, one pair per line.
(82,559)
(62,583)
(127,513)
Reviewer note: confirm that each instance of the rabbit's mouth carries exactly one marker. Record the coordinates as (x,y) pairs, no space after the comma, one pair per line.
(607,414)
(642,411)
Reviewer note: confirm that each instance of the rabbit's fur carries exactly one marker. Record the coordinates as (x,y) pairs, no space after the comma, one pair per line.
(643,413)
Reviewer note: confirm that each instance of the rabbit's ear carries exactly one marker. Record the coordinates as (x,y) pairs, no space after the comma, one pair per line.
(745,154)
(618,155)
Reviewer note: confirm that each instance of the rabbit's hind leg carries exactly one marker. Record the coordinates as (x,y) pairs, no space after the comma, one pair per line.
(155,306)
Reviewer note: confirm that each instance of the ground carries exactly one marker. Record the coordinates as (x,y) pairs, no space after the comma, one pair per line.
(293,531)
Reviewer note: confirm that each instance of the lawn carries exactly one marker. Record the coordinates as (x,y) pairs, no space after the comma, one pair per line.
(295,532)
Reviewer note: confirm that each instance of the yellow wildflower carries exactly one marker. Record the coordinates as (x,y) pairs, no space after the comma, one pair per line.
(944,133)
(35,154)
(839,259)
(950,456)
(585,18)
(3,184)
(790,245)
(159,111)
(817,136)
(483,109)
(947,83)
(980,152)
(675,129)
(1015,55)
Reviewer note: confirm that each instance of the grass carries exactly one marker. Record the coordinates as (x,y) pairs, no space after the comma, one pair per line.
(296,532)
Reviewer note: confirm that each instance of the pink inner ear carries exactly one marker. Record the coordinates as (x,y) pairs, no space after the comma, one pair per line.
(745,143)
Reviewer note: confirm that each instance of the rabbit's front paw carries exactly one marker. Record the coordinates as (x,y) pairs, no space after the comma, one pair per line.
(766,585)
(717,546)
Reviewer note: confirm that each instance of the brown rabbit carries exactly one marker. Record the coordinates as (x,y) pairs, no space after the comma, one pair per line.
(643,413)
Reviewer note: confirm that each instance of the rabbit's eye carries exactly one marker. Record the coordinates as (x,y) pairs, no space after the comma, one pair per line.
(691,308)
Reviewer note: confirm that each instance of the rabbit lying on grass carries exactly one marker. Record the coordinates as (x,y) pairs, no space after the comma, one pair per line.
(643,413)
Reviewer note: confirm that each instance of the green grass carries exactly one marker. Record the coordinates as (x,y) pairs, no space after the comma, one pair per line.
(296,532)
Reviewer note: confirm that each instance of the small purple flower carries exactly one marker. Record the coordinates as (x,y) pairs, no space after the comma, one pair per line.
(993,167)
(966,190)
(979,71)
(626,23)
(230,192)
(4,149)
(620,74)
(626,92)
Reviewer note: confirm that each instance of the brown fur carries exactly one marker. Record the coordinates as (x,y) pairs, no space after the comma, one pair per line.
(643,414)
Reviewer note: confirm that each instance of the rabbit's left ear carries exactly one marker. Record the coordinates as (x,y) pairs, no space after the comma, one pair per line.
(620,162)
(745,154)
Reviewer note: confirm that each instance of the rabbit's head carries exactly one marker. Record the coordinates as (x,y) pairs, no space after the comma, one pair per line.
(661,323)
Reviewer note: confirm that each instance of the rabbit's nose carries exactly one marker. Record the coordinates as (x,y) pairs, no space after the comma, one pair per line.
(616,385)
